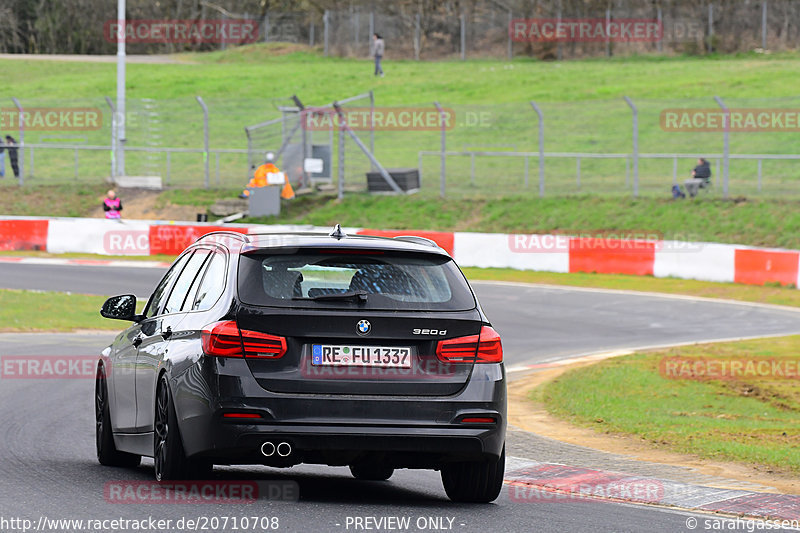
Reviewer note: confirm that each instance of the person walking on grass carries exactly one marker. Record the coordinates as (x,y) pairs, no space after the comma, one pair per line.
(377,53)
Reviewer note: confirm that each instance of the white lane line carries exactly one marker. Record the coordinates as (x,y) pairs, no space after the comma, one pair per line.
(623,292)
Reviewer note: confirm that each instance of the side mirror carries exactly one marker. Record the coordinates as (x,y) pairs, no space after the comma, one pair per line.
(120,308)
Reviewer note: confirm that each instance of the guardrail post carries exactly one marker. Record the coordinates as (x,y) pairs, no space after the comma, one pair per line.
(541,147)
(21,141)
(443,169)
(205,138)
(635,146)
(726,149)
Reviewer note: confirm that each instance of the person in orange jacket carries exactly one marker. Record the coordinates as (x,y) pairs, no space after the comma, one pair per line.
(260,178)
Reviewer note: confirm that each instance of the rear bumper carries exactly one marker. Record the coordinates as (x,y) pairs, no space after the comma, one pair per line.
(405,431)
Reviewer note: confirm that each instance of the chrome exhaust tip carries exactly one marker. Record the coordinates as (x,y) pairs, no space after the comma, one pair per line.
(268,449)
(284,449)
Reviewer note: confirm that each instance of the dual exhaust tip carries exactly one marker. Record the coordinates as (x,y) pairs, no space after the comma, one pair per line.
(269,448)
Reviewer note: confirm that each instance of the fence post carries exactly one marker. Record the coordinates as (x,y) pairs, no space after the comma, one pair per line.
(660,18)
(372,124)
(463,36)
(21,141)
(266,27)
(340,162)
(371,29)
(759,175)
(205,137)
(675,170)
(443,169)
(764,24)
(356,29)
(417,37)
(635,146)
(559,53)
(608,39)
(325,30)
(541,147)
(726,146)
(311,34)
(510,42)
(113,137)
(710,26)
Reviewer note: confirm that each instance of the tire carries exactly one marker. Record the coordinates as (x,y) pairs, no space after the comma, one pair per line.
(107,453)
(169,458)
(371,471)
(475,481)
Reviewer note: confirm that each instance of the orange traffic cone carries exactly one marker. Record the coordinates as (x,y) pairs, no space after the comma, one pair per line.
(287,192)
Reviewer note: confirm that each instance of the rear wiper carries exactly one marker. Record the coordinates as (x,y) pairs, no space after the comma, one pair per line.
(360,296)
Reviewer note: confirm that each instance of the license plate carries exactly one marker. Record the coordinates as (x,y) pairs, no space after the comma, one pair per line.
(349,355)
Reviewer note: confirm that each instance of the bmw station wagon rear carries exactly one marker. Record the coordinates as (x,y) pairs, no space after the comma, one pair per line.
(356,351)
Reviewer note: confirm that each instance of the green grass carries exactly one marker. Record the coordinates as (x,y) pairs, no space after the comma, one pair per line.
(754,421)
(582,101)
(51,311)
(758,223)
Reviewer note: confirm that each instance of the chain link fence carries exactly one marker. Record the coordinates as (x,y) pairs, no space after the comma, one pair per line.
(590,147)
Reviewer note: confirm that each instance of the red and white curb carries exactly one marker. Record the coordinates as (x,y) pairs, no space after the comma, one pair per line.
(645,256)
(538,483)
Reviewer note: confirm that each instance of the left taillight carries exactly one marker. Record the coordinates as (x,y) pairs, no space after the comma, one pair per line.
(225,339)
(483,348)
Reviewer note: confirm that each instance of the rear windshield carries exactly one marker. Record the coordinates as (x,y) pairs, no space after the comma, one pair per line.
(358,279)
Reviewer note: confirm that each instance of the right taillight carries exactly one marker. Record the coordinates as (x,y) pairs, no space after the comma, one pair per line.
(486,346)
(225,339)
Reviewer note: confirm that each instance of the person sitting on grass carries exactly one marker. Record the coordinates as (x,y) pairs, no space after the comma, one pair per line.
(701,177)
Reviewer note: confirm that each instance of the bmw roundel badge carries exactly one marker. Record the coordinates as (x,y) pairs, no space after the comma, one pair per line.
(363,327)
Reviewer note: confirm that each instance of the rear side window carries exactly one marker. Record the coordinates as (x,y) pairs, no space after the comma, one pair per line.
(212,285)
(157,299)
(375,280)
(187,277)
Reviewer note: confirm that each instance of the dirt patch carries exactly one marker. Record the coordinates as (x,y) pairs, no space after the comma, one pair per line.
(532,416)
(143,204)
